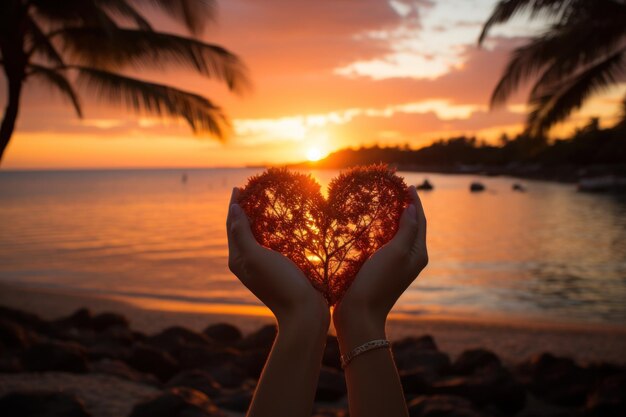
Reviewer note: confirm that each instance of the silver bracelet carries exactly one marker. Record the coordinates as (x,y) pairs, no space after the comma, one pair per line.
(371,345)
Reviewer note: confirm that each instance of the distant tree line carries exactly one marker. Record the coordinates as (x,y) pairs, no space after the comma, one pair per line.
(589,146)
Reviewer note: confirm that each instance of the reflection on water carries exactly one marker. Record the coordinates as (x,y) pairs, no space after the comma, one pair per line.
(550,251)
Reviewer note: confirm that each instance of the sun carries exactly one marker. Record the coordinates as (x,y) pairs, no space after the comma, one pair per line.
(314,154)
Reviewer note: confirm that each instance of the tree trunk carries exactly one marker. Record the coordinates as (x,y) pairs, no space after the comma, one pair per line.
(14,60)
(10,113)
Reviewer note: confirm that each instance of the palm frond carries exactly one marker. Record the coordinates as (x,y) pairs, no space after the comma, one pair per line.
(93,47)
(73,12)
(507,9)
(194,14)
(57,80)
(555,105)
(596,33)
(525,63)
(155,99)
(124,9)
(564,68)
(41,44)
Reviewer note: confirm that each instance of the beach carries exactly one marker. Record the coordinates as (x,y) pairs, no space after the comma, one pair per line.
(432,353)
(511,339)
(124,306)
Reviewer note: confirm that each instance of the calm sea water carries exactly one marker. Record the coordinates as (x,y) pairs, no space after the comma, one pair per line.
(550,253)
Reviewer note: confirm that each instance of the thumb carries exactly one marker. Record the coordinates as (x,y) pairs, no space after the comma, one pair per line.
(407,229)
(240,228)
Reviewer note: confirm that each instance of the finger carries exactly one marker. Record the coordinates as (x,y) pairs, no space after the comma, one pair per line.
(420,217)
(234,198)
(407,229)
(240,232)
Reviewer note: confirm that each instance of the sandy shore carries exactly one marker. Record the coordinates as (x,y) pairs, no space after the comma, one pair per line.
(512,340)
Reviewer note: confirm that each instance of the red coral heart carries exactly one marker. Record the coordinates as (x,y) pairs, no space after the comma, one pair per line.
(329,239)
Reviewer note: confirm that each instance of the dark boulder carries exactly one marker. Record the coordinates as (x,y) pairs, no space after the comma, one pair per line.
(420,352)
(55,356)
(205,357)
(177,402)
(80,319)
(114,342)
(107,349)
(496,387)
(106,321)
(198,380)
(331,385)
(253,361)
(261,339)
(151,360)
(122,370)
(238,401)
(417,381)
(430,360)
(441,406)
(27,320)
(139,336)
(557,380)
(609,398)
(473,360)
(84,320)
(10,362)
(13,336)
(228,375)
(425,342)
(223,333)
(41,404)
(175,338)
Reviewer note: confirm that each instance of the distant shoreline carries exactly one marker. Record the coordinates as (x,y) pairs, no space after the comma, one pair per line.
(556,174)
(568,174)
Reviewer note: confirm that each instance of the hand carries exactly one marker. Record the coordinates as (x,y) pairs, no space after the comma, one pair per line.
(270,276)
(383,278)
(302,314)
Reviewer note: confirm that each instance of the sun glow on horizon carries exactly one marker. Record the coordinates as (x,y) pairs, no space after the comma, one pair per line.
(314,154)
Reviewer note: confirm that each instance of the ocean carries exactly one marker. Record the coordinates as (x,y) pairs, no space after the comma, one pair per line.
(547,254)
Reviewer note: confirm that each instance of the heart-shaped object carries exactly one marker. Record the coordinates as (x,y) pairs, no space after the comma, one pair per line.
(329,239)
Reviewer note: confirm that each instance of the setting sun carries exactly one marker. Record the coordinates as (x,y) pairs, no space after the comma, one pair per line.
(314,154)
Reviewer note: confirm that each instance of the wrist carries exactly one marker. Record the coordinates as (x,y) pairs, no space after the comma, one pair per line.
(313,318)
(355,326)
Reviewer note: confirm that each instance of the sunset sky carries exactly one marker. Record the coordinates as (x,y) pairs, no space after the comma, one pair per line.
(326,75)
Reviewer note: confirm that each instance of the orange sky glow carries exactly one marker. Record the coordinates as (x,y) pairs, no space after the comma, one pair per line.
(326,75)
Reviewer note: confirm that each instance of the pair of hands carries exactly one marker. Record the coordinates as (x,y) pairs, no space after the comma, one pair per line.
(285,290)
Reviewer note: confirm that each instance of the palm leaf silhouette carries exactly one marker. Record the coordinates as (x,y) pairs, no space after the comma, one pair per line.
(586,41)
(156,99)
(555,104)
(87,43)
(58,81)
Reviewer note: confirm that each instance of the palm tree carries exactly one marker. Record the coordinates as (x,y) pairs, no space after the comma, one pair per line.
(87,43)
(582,53)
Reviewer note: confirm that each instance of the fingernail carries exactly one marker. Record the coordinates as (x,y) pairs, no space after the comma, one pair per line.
(235,210)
